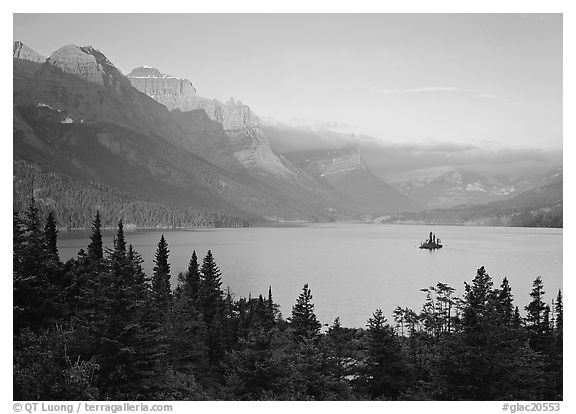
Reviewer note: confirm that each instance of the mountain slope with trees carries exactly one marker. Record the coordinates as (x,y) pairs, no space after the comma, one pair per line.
(76,115)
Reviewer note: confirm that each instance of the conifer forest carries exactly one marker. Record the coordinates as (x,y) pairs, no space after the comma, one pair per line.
(96,327)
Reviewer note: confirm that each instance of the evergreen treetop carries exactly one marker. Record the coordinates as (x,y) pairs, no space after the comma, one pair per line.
(211,296)
(304,323)
(119,240)
(95,250)
(51,235)
(161,275)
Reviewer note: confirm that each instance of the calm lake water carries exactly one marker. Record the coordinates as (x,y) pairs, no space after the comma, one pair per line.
(353,269)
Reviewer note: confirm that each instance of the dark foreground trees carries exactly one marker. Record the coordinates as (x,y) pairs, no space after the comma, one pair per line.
(96,327)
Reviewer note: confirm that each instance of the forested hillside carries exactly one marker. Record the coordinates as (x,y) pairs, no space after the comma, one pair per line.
(78,200)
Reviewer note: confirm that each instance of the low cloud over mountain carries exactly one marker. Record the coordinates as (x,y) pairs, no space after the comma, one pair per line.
(407,161)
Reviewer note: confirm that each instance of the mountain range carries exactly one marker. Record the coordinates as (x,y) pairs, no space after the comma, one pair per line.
(461,187)
(148,148)
(150,138)
(76,115)
(431,176)
(541,206)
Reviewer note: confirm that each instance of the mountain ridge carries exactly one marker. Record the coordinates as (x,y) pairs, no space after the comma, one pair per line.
(346,171)
(78,114)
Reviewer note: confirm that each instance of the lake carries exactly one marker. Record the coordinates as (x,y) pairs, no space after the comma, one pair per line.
(353,269)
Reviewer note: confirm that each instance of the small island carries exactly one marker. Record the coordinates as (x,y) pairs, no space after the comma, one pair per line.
(431,243)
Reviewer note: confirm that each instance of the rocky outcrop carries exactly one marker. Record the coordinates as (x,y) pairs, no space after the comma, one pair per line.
(26,63)
(233,140)
(171,92)
(23,52)
(89,64)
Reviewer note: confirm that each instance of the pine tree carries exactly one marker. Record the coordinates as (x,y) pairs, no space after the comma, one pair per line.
(192,279)
(505,301)
(559,311)
(537,318)
(343,347)
(161,276)
(51,235)
(121,265)
(211,303)
(304,323)
(32,219)
(211,295)
(478,300)
(559,345)
(17,242)
(385,371)
(270,309)
(35,251)
(119,240)
(35,302)
(136,261)
(536,307)
(95,250)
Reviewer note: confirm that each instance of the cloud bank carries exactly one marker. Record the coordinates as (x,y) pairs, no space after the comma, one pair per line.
(405,161)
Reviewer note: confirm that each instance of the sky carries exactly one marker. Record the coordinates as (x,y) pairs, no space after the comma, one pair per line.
(489,80)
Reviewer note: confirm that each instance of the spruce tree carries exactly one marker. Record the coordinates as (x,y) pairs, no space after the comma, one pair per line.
(537,318)
(34,297)
(211,304)
(136,261)
(192,279)
(304,323)
(270,309)
(17,242)
(535,309)
(559,311)
(95,250)
(32,218)
(51,235)
(559,345)
(211,295)
(119,240)
(161,276)
(478,300)
(121,265)
(35,251)
(505,301)
(385,370)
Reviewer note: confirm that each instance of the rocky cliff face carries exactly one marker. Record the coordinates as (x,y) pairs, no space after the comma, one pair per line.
(226,134)
(171,92)
(26,63)
(21,51)
(345,170)
(89,64)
